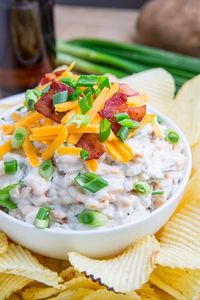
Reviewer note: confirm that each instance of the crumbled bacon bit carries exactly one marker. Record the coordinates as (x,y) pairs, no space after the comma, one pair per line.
(91,143)
(118,104)
(51,76)
(45,104)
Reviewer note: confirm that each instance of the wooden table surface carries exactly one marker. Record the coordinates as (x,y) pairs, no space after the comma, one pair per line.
(116,24)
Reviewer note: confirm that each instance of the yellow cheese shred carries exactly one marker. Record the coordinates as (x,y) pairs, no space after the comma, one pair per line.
(69,151)
(124,150)
(59,140)
(48,122)
(43,139)
(8,129)
(15,117)
(6,147)
(46,130)
(157,130)
(92,165)
(31,119)
(148,118)
(62,107)
(68,116)
(113,151)
(90,128)
(30,152)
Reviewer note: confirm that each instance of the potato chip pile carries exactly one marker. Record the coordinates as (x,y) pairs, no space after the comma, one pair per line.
(163,267)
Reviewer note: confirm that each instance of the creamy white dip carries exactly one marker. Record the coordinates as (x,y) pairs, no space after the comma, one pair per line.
(157,162)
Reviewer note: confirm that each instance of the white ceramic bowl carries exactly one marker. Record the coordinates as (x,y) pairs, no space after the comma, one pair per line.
(95,243)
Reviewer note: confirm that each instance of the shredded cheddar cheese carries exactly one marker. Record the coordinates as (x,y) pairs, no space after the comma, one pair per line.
(30,152)
(92,165)
(8,129)
(6,147)
(46,130)
(69,151)
(59,140)
(90,128)
(66,106)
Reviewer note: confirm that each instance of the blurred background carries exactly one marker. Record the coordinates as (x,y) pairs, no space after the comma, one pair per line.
(39,35)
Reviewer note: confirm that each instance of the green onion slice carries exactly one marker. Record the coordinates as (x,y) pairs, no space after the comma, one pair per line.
(84,154)
(79,120)
(19,136)
(10,166)
(75,95)
(46,169)
(105,129)
(157,193)
(142,187)
(87,80)
(122,116)
(10,187)
(159,119)
(91,182)
(89,90)
(42,218)
(69,81)
(45,90)
(61,97)
(5,199)
(129,123)
(122,134)
(92,218)
(172,137)
(103,81)
(31,98)
(84,105)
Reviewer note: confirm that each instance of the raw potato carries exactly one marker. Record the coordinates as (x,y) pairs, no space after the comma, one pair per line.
(172,25)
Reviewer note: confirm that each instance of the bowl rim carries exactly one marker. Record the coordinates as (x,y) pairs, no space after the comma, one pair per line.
(49,231)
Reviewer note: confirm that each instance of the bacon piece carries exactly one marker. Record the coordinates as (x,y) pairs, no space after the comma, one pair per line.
(125,89)
(51,76)
(45,104)
(91,143)
(118,104)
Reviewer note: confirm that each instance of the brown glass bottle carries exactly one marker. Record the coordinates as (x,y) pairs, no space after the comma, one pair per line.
(27,43)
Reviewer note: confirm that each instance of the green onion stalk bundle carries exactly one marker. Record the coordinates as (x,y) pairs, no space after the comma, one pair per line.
(121,59)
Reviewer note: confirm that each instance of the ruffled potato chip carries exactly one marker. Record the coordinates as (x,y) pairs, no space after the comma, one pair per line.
(195,157)
(180,237)
(186,108)
(107,295)
(10,284)
(35,293)
(3,243)
(180,284)
(158,84)
(19,261)
(150,292)
(124,273)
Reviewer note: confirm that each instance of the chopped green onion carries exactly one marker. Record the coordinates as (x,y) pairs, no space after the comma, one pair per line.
(31,97)
(10,187)
(172,137)
(90,89)
(122,134)
(142,187)
(92,218)
(87,80)
(84,154)
(91,182)
(46,169)
(79,120)
(10,166)
(103,81)
(158,193)
(129,123)
(30,104)
(122,116)
(69,81)
(97,92)
(75,95)
(84,105)
(20,108)
(6,202)
(19,136)
(105,129)
(45,90)
(159,119)
(60,97)
(89,97)
(42,218)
